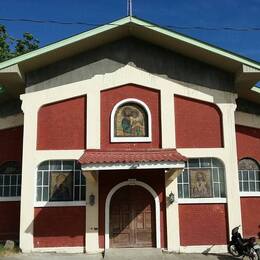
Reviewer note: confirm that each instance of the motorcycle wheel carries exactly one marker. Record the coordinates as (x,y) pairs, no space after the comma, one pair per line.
(233,250)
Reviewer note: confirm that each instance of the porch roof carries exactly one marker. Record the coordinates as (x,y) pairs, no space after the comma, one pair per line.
(97,156)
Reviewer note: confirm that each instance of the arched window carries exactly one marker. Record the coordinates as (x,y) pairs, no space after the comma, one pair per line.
(131,121)
(10,179)
(249,175)
(202,178)
(60,180)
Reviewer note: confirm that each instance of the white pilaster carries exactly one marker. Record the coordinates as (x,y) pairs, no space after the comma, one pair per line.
(93,119)
(230,161)
(91,242)
(28,177)
(167,119)
(168,136)
(172,211)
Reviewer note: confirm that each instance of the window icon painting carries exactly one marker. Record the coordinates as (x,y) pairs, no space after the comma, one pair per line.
(130,121)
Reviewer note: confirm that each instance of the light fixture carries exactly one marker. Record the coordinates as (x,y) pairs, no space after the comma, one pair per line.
(171,198)
(91,199)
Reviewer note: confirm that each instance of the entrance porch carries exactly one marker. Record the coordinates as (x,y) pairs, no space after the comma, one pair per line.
(131,207)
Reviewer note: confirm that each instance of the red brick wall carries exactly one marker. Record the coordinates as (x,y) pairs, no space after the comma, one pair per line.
(203,224)
(9,220)
(250,209)
(248,142)
(248,145)
(111,97)
(11,144)
(59,226)
(108,179)
(198,124)
(62,125)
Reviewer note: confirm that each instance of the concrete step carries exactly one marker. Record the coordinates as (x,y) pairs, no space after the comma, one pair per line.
(133,254)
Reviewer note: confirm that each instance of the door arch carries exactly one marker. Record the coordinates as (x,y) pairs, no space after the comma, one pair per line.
(157,209)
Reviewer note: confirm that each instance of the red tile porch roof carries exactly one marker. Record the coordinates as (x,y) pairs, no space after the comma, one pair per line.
(129,156)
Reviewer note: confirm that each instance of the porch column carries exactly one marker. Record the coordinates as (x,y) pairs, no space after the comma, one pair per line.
(91,241)
(172,210)
(230,161)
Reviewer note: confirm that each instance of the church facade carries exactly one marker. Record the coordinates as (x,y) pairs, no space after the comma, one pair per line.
(129,135)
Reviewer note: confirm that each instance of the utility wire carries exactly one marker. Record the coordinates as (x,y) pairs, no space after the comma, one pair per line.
(225,28)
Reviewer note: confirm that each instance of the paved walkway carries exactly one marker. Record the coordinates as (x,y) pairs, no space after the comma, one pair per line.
(140,256)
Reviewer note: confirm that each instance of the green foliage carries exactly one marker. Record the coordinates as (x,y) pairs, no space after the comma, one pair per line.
(11,47)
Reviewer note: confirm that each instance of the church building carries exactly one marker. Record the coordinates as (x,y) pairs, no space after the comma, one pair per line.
(129,135)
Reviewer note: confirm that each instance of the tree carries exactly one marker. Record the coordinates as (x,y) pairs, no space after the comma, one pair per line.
(11,47)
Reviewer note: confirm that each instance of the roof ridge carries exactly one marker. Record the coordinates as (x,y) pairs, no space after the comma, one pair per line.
(138,21)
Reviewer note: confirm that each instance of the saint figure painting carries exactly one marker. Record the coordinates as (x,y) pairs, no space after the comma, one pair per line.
(130,120)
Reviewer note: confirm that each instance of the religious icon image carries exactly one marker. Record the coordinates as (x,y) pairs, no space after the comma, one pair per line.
(130,120)
(200,183)
(61,186)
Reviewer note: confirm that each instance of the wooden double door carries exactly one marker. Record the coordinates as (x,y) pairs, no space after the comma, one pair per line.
(132,218)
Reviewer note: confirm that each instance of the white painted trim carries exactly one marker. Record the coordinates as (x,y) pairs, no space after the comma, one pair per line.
(70,250)
(202,201)
(157,208)
(39,204)
(250,194)
(122,76)
(131,166)
(131,139)
(2,199)
(204,249)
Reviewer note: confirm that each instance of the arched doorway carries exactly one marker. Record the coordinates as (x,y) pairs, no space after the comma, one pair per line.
(132,218)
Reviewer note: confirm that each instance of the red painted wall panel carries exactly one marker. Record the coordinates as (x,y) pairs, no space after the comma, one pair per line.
(59,226)
(111,97)
(62,125)
(203,224)
(250,210)
(11,144)
(248,142)
(108,179)
(9,220)
(198,124)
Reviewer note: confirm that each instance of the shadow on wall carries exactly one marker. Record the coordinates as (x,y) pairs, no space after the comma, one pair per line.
(218,256)
(9,220)
(58,226)
(11,107)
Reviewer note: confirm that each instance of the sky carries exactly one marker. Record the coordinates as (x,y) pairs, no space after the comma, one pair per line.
(181,13)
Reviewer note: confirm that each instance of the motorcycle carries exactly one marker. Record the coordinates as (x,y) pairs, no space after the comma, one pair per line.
(239,246)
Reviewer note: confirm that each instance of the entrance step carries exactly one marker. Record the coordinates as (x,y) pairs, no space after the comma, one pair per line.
(133,254)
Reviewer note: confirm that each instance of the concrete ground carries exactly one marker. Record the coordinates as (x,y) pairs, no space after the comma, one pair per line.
(114,256)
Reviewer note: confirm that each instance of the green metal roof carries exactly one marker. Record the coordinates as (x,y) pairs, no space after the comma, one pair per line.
(139,22)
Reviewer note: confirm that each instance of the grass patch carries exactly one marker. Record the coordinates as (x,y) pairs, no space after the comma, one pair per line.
(5,252)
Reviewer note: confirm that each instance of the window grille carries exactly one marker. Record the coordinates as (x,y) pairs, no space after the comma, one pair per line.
(60,180)
(202,178)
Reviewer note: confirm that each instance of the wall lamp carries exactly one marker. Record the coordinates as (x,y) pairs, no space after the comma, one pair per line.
(91,199)
(171,198)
